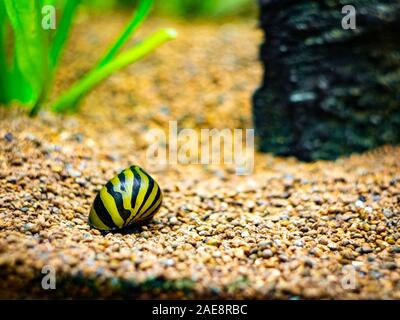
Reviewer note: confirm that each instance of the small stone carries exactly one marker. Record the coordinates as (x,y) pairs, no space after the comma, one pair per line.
(253,251)
(357,264)
(81,181)
(9,137)
(11,179)
(283,257)
(173,221)
(390,240)
(267,253)
(381,228)
(366,248)
(275,219)
(359,204)
(323,240)
(366,227)
(362,198)
(212,242)
(309,262)
(165,110)
(376,197)
(347,217)
(87,236)
(168,262)
(332,246)
(391,265)
(239,253)
(245,234)
(396,249)
(216,254)
(264,244)
(368,210)
(31,227)
(387,213)
(250,204)
(376,274)
(113,156)
(56,168)
(74,173)
(78,137)
(299,243)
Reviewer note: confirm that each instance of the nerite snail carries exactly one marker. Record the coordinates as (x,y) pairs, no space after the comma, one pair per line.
(131,197)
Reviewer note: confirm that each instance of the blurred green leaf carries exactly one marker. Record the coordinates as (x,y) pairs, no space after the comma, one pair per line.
(3,55)
(139,16)
(62,31)
(67,102)
(30,52)
(228,7)
(30,56)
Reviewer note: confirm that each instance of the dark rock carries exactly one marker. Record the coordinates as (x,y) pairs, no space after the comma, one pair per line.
(327,91)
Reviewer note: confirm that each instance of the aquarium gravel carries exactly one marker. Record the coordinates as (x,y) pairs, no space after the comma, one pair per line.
(290,230)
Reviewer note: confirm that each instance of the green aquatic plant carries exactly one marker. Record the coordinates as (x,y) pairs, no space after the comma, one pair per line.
(30,53)
(205,8)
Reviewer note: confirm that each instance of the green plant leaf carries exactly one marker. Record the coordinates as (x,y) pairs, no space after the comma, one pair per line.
(139,16)
(62,31)
(30,59)
(205,8)
(67,102)
(226,8)
(3,56)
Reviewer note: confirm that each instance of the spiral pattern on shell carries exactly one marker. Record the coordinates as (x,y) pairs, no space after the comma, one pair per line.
(131,197)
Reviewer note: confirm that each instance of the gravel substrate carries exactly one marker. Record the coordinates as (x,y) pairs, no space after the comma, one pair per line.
(290,230)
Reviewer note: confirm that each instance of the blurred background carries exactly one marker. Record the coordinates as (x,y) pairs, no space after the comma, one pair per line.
(186,9)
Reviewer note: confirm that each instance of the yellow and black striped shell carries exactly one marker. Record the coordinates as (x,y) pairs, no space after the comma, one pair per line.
(131,197)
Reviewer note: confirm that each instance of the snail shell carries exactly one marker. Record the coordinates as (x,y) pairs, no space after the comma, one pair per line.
(131,197)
